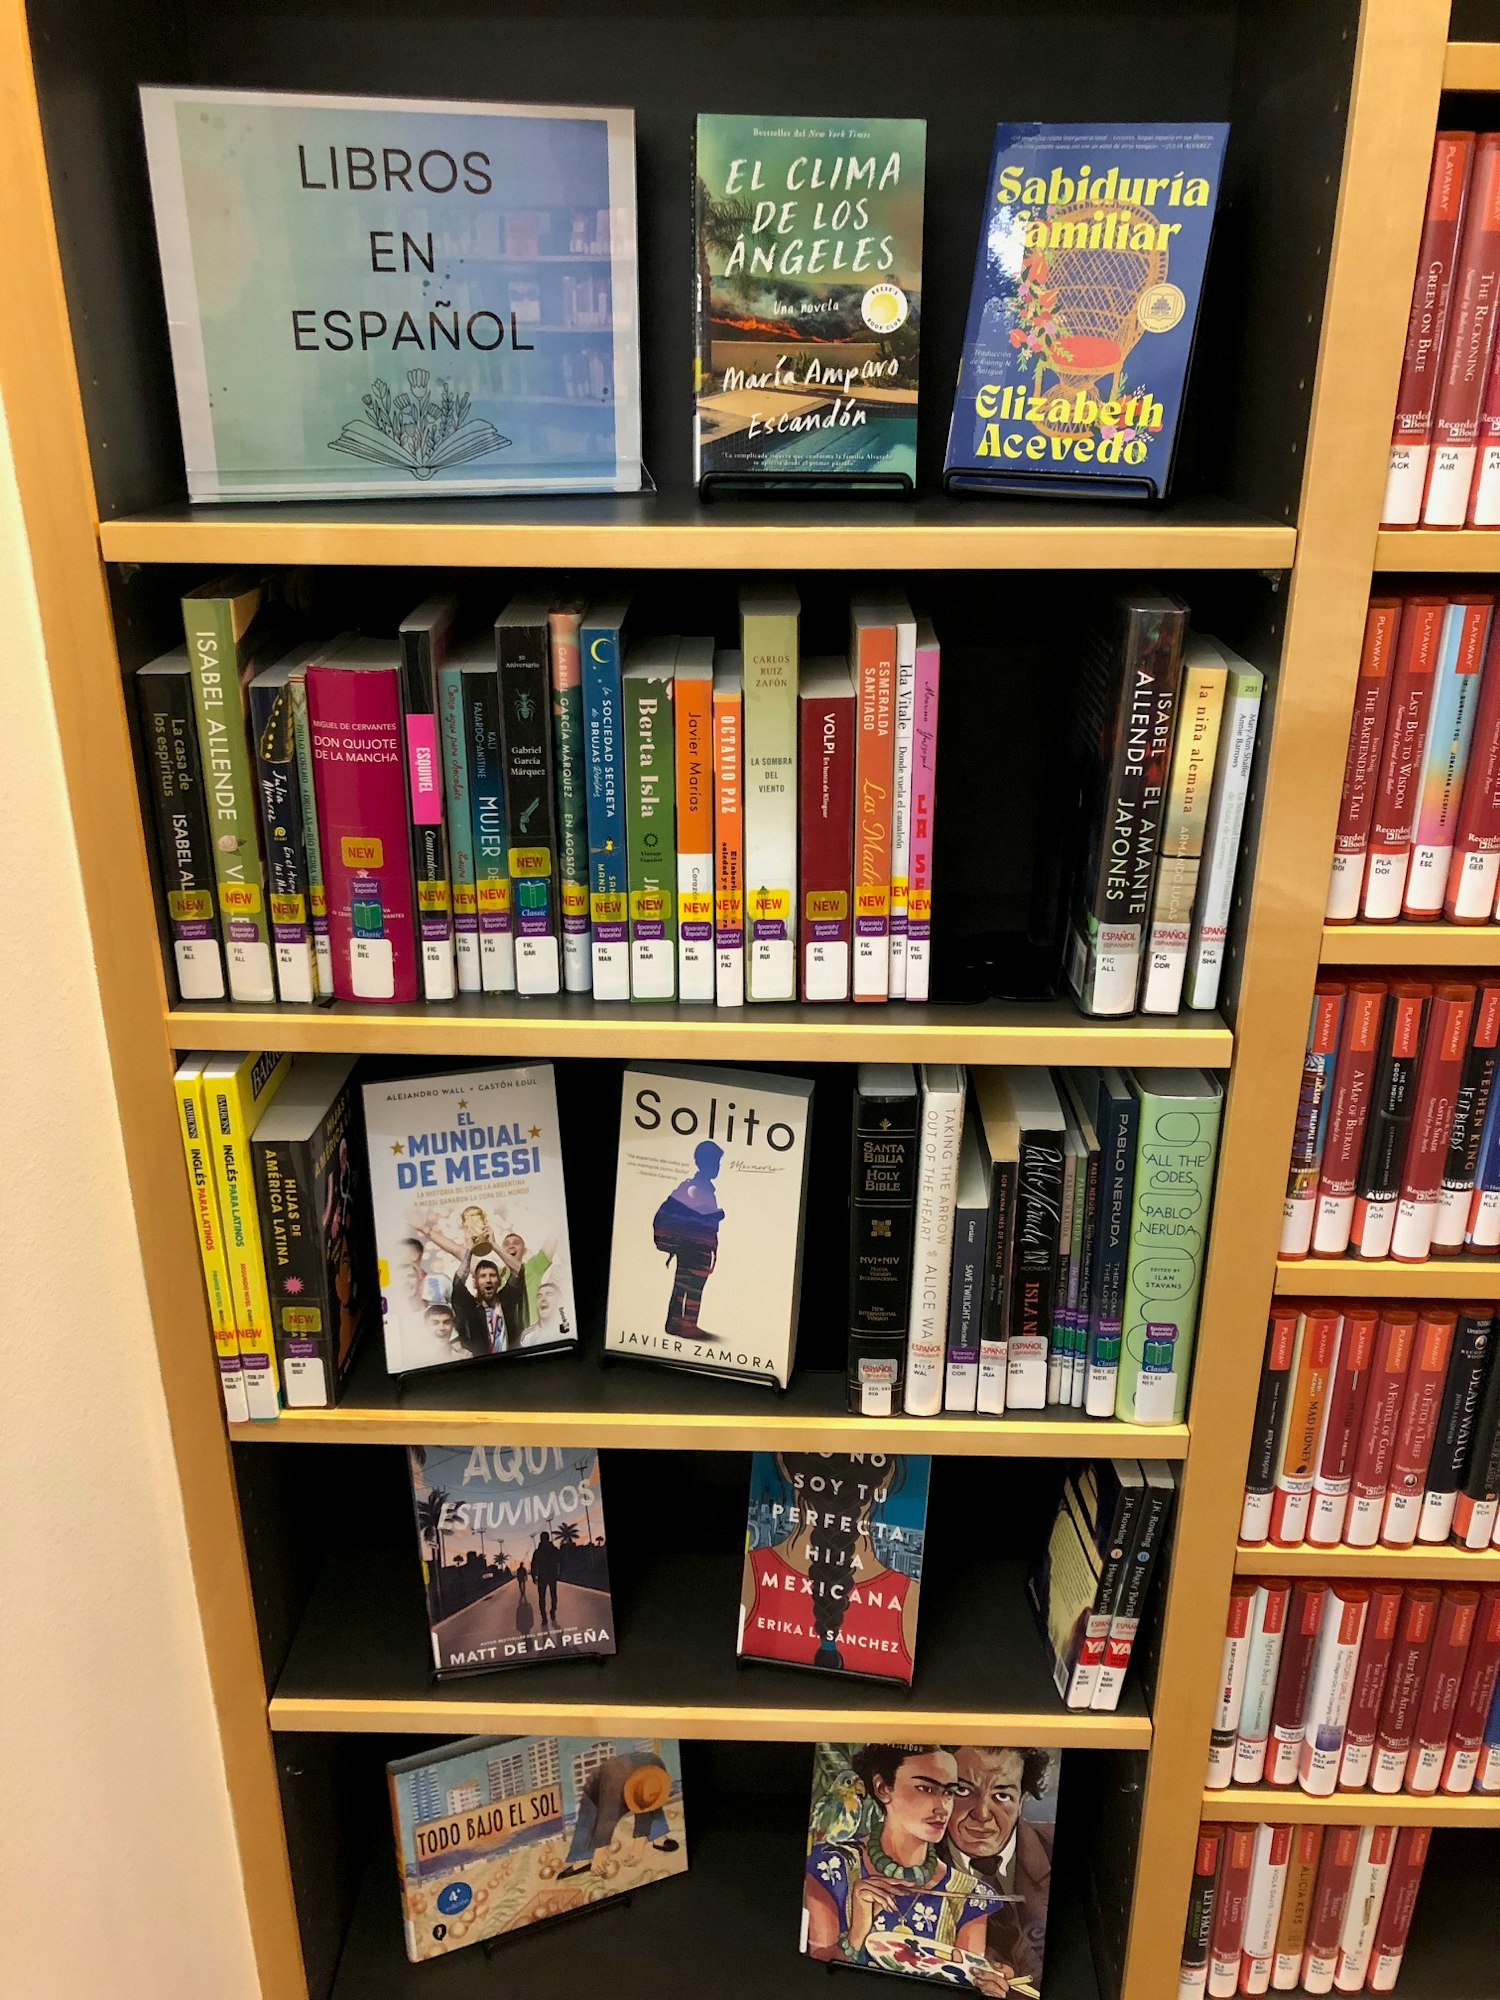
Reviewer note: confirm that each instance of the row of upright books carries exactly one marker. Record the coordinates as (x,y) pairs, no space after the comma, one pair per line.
(1300,1908)
(1396,1148)
(1419,816)
(1375,1426)
(1349,1687)
(1026,1239)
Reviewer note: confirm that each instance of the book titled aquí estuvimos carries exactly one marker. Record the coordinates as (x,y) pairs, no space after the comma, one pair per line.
(1081,322)
(397,296)
(513,1554)
(809,298)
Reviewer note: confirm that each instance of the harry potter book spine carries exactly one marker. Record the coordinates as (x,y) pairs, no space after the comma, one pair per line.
(692,703)
(570,761)
(526,745)
(1421,367)
(826,769)
(450,679)
(424,639)
(1372,695)
(487,817)
(729,836)
(184,850)
(1145,1549)
(650,819)
(872,659)
(769,614)
(602,641)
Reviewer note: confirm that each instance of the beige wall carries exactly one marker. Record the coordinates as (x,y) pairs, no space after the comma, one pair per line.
(118,1876)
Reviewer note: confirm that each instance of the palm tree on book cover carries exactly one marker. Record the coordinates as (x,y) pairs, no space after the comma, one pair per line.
(430,1524)
(721,224)
(686,1230)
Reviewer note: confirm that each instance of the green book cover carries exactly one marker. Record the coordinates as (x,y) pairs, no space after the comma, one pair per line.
(217,621)
(1174,1176)
(570,769)
(651,819)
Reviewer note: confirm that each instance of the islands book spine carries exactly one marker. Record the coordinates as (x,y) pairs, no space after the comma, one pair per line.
(650,827)
(274,735)
(492,887)
(1421,364)
(424,640)
(570,762)
(184,848)
(531,831)
(450,689)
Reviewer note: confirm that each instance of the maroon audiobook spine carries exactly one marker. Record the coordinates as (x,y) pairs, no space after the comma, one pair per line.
(1229,1910)
(1325,1926)
(1343,1419)
(1405,1878)
(1475,1696)
(1403,1686)
(1412,1453)
(1452,1635)
(1439,1075)
(1421,364)
(1289,1703)
(1467,345)
(1394,811)
(1372,697)
(825,771)
(1348,1116)
(1381,1624)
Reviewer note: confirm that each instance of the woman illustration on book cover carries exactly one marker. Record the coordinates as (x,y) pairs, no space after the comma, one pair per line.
(878,1890)
(686,1227)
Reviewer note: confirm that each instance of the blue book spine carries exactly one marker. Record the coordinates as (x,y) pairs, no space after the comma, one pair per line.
(965,1307)
(1116,1121)
(1483,1233)
(601,643)
(450,696)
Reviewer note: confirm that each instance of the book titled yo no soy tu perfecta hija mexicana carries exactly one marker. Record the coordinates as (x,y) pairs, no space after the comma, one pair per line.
(1081,322)
(397,296)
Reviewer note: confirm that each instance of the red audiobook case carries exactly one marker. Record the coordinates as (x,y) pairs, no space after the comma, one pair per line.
(1372,695)
(1381,1623)
(1412,1451)
(1467,345)
(1289,1703)
(1439,1074)
(1452,1636)
(1330,1901)
(1348,1115)
(1393,814)
(1400,1901)
(1421,364)
(1475,1695)
(1343,1416)
(1394,1340)
(1474,875)
(1389,1122)
(825,769)
(1403,1686)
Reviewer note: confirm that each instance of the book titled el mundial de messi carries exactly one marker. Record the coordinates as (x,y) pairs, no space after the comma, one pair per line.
(397,297)
(1087,284)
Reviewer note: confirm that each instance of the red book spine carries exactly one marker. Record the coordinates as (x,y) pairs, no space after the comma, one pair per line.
(1372,696)
(1452,1634)
(1439,1074)
(1317,1342)
(1330,1901)
(1474,875)
(1229,1911)
(1403,1687)
(1381,1622)
(1393,814)
(1405,1878)
(1467,346)
(1421,364)
(359,776)
(825,768)
(1475,1694)
(1332,1687)
(1349,1113)
(1407,1483)
(1289,1704)
(1484,486)
(1343,1416)
(1232,1664)
(1394,1339)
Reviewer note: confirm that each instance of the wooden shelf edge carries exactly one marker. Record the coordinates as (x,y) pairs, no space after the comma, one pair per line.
(1384,1278)
(1474,551)
(1428,1562)
(1263,1802)
(1472,66)
(1410,944)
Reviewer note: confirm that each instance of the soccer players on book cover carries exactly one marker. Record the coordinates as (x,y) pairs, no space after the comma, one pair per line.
(932,1862)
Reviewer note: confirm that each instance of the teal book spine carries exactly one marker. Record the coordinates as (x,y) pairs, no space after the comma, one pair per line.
(450,693)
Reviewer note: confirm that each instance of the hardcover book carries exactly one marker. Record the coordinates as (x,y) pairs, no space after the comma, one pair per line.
(344,280)
(514,1562)
(1087,283)
(705,1265)
(808,299)
(184,849)
(932,1863)
(693,723)
(471,1219)
(499,1832)
(425,637)
(526,747)
(450,690)
(872,660)
(833,1561)
(882,1220)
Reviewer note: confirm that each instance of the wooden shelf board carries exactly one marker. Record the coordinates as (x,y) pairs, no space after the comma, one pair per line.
(1384,1278)
(1411,944)
(574,1025)
(1269,1803)
(1472,66)
(675,531)
(982,1673)
(1475,551)
(1426,1563)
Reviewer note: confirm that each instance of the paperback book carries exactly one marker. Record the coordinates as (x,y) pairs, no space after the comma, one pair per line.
(179,808)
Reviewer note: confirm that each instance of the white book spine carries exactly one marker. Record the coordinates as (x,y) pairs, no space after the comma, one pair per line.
(1329,1693)
(1404,480)
(932,1249)
(1372,1867)
(695,954)
(1448,484)
(1221,852)
(1263,1906)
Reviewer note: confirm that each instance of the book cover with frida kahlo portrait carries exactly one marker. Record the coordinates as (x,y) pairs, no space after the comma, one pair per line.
(1086,290)
(809,297)
(833,1561)
(934,1863)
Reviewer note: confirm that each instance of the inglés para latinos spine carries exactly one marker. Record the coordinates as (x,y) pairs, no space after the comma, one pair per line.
(825,702)
(236,1089)
(570,761)
(693,725)
(424,639)
(184,849)
(769,618)
(729,835)
(450,689)
(1372,697)
(1421,365)
(196,1151)
(872,660)
(923,813)
(602,642)
(526,747)
(650,818)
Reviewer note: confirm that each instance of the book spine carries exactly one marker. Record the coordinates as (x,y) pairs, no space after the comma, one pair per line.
(1366,1893)
(1263,1659)
(531,852)
(650,835)
(693,722)
(883,1184)
(1229,1913)
(923,819)
(304,1318)
(1484,488)
(1174,1177)
(492,890)
(994,1329)
(1348,1116)
(1313,1105)
(1475,1516)
(932,1248)
(1452,1636)
(1467,346)
(1445,757)
(355,720)
(1388,848)
(1057,1324)
(1389,1122)
(1221,852)
(874,665)
(1118,1136)
(965,1305)
(1469,1363)
(1192,1982)
(197,1154)
(234,1177)
(1118,1540)
(1394,1340)
(451,710)
(1325,1923)
(769,647)
(1439,1074)
(273,734)
(1476,1696)
(570,763)
(1312,1372)
(729,851)
(1201,711)
(1343,1420)
(1296,1907)
(312,836)
(1482,1232)
(903,749)
(1273,1847)
(1331,1688)
(826,768)
(1421,365)
(424,800)
(605,739)
(1396,1911)
(1403,1687)
(1487,1777)
(224,750)
(1233,1663)
(1381,1622)
(1125,1624)
(1080,1306)
(184,849)
(1266,1438)
(1474,876)
(1289,1708)
(1471,1106)
(1372,695)
(1033,1269)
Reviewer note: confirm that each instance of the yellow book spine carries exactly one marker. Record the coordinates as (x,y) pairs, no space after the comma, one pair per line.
(230,1128)
(196,1152)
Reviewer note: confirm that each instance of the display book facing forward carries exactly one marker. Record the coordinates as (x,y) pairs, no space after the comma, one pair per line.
(1087,283)
(935,1863)
(524,377)
(497,1833)
(808,303)
(1025,1239)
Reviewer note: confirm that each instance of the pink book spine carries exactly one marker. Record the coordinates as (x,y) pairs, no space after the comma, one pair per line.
(359,776)
(1467,346)
(923,811)
(1411,433)
(1474,875)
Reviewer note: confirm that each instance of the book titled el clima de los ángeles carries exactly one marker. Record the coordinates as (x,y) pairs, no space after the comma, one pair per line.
(1087,282)
(397,296)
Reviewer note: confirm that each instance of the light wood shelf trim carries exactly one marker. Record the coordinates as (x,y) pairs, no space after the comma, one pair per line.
(1269,1803)
(1472,66)
(1474,551)
(1384,1278)
(754,1722)
(1411,944)
(1046,1033)
(1427,1562)
(655,531)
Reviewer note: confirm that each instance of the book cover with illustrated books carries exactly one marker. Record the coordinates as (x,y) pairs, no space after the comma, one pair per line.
(957,1845)
(495,1833)
(833,1561)
(808,301)
(369,295)
(705,1265)
(514,1563)
(471,1220)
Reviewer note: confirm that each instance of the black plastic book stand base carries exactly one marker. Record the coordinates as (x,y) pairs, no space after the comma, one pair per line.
(805,485)
(472,1361)
(489,1946)
(608,1356)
